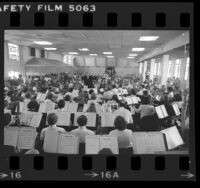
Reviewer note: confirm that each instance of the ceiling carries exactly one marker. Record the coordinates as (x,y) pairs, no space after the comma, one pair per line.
(119,42)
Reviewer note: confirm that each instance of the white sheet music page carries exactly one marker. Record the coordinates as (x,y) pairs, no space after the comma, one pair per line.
(139,142)
(67,143)
(173,137)
(159,112)
(11,136)
(164,110)
(35,121)
(26,117)
(155,142)
(63,118)
(129,100)
(92,144)
(73,107)
(107,119)
(91,119)
(109,142)
(51,141)
(26,138)
(42,108)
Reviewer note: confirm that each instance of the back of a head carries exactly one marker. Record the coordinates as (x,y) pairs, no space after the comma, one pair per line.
(28,95)
(52,119)
(61,103)
(82,120)
(91,108)
(120,123)
(105,151)
(70,89)
(93,96)
(145,100)
(133,92)
(49,96)
(91,91)
(33,105)
(115,98)
(7,119)
(67,98)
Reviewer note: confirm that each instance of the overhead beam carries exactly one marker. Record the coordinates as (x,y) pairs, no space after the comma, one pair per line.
(175,43)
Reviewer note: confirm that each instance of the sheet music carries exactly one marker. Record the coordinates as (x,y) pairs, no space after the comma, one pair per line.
(73,107)
(107,119)
(92,144)
(91,119)
(67,143)
(159,112)
(173,137)
(42,107)
(164,110)
(26,138)
(11,136)
(75,92)
(155,142)
(60,97)
(21,107)
(85,107)
(119,97)
(50,106)
(63,118)
(38,96)
(134,100)
(109,142)
(51,141)
(139,142)
(26,117)
(36,119)
(176,109)
(129,100)
(66,108)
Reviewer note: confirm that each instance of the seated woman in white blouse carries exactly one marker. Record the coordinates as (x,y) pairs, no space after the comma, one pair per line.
(123,134)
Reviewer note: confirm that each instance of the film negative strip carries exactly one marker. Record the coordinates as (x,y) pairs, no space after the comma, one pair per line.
(152,40)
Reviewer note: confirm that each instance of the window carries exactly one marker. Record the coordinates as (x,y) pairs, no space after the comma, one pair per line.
(141,68)
(32,52)
(177,68)
(13,74)
(169,72)
(13,51)
(68,59)
(157,69)
(187,68)
(42,54)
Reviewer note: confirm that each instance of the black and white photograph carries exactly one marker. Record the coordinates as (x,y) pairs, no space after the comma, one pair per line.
(96,92)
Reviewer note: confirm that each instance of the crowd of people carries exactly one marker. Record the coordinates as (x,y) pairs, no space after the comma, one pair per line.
(98,91)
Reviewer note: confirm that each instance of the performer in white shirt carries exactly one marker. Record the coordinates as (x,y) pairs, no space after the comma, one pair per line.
(82,131)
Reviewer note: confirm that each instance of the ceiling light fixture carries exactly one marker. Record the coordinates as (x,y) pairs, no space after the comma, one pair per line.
(110,56)
(83,49)
(148,38)
(50,48)
(138,49)
(129,57)
(73,53)
(107,53)
(42,42)
(133,55)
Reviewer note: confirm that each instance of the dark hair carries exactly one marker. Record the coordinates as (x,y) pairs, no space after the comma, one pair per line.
(5,103)
(115,98)
(113,86)
(82,120)
(145,92)
(70,89)
(61,103)
(33,105)
(67,98)
(170,89)
(177,97)
(133,92)
(120,123)
(106,151)
(93,96)
(50,96)
(52,119)
(28,95)
(121,104)
(145,100)
(7,119)
(91,91)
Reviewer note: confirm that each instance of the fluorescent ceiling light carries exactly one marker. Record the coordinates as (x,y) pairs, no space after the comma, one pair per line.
(107,53)
(93,54)
(42,42)
(50,48)
(129,57)
(137,49)
(110,56)
(148,38)
(83,49)
(73,53)
(133,55)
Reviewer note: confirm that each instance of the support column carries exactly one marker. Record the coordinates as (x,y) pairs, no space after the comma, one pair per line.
(182,73)
(152,69)
(165,66)
(144,71)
